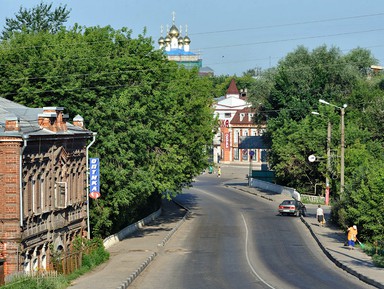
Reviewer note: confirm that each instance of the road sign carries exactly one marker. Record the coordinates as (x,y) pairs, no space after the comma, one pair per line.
(312,158)
(94,195)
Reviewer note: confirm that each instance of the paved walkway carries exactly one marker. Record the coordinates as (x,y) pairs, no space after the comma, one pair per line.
(132,255)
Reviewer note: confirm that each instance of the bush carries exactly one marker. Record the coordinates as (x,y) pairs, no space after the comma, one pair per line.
(378,260)
(94,255)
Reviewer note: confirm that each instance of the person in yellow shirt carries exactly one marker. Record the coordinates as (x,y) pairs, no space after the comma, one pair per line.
(352,237)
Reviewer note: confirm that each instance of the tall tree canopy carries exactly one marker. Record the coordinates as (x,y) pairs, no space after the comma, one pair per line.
(291,92)
(36,19)
(153,119)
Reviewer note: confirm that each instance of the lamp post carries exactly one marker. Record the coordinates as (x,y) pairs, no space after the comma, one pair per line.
(342,142)
(329,135)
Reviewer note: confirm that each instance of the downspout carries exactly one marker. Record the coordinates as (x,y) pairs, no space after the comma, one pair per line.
(21,180)
(87,168)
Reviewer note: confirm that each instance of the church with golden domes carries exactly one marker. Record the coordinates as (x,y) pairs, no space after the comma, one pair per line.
(177,47)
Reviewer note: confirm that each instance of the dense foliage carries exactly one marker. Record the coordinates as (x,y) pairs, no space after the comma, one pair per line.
(152,118)
(37,19)
(286,97)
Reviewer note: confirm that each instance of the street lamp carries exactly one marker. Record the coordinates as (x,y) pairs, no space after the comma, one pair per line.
(329,134)
(342,142)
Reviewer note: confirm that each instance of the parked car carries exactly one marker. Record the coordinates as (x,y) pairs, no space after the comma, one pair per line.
(292,207)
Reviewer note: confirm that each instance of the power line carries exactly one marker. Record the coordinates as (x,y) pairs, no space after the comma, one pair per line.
(291,70)
(294,39)
(289,24)
(207,48)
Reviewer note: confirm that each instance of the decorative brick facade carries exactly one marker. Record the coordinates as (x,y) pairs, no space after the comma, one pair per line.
(43,190)
(236,118)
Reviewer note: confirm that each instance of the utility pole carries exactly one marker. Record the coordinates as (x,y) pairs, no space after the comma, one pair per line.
(342,143)
(327,189)
(342,151)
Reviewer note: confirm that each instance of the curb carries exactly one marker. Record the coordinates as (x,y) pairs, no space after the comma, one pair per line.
(137,272)
(152,257)
(338,263)
(334,260)
(170,234)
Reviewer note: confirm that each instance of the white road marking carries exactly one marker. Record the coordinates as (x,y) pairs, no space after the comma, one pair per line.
(246,254)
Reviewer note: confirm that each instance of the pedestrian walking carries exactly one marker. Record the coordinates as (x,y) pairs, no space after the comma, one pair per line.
(320,215)
(219,172)
(352,237)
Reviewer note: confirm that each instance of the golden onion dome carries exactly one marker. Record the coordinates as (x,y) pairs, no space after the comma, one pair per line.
(167,39)
(180,40)
(174,32)
(161,40)
(187,40)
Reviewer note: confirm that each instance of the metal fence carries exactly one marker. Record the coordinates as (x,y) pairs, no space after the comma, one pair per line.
(312,199)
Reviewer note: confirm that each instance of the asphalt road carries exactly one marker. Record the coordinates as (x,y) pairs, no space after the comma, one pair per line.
(236,240)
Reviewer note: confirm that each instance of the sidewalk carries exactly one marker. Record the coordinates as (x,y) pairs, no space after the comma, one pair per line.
(132,255)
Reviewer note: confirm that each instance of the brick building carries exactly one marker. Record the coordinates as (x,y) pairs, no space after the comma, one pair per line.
(43,186)
(236,118)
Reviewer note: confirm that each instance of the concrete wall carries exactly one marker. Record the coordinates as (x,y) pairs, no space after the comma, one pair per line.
(274,188)
(124,233)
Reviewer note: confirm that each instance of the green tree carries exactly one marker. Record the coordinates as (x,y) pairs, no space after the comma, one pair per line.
(36,19)
(153,119)
(295,87)
(292,92)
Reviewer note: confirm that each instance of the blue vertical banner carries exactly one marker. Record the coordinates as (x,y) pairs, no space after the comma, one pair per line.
(94,178)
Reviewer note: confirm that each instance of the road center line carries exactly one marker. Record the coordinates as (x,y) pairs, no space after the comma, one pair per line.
(247,256)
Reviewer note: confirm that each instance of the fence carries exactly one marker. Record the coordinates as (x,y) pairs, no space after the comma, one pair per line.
(35,274)
(312,199)
(70,263)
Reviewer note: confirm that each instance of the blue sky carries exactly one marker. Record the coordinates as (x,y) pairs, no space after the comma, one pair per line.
(234,36)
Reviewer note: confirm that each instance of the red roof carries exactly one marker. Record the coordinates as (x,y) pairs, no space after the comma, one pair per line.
(246,120)
(232,89)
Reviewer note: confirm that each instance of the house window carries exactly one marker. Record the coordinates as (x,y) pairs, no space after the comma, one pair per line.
(227,115)
(38,194)
(34,197)
(61,195)
(236,136)
(244,154)
(236,154)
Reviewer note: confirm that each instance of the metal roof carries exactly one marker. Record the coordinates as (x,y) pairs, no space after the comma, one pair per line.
(28,121)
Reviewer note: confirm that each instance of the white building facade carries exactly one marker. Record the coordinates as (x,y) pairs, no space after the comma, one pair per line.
(236,121)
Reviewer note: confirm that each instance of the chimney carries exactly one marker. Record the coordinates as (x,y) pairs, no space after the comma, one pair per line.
(12,123)
(78,121)
(53,119)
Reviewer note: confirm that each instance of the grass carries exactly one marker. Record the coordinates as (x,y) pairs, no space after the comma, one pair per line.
(95,257)
(27,282)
